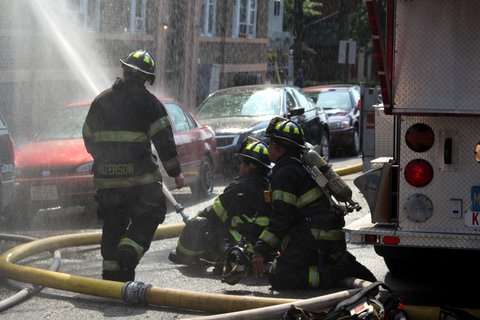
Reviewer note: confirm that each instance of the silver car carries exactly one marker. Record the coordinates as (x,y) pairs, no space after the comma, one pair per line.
(238,112)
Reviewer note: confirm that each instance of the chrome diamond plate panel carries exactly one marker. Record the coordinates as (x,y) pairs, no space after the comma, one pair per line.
(383,134)
(450,182)
(436,52)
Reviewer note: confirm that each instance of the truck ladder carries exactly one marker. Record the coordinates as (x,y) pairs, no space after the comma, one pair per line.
(384,74)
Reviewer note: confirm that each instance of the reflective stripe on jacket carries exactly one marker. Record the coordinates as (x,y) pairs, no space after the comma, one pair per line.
(122,123)
(298,206)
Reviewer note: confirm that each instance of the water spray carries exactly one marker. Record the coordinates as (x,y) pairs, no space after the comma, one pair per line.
(68,47)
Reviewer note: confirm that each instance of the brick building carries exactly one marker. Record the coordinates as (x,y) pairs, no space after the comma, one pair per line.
(59,51)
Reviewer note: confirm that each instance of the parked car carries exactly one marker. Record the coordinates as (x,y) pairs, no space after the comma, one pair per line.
(7,168)
(237,112)
(341,102)
(54,169)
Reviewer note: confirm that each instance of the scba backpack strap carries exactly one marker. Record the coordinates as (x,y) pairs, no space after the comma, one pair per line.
(295,313)
(362,305)
(366,305)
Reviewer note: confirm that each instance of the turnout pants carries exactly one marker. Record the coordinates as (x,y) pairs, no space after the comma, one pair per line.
(130,219)
(315,264)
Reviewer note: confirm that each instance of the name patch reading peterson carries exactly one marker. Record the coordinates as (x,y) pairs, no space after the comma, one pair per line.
(116,169)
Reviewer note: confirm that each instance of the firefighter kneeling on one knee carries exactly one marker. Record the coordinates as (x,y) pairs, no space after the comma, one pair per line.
(304,224)
(237,216)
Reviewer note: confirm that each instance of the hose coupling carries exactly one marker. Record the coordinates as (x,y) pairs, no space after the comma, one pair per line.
(134,292)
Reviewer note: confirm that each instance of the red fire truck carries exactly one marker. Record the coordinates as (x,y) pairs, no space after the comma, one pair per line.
(423,190)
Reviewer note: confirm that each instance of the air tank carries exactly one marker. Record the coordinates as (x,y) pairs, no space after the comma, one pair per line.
(334,183)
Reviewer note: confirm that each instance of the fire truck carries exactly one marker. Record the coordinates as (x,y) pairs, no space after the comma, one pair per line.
(423,184)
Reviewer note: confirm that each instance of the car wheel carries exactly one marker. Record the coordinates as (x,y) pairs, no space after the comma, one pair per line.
(203,188)
(354,147)
(323,147)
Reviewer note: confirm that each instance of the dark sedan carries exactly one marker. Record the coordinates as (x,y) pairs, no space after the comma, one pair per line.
(237,112)
(7,168)
(341,102)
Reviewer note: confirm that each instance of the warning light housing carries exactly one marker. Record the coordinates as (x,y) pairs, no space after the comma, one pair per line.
(418,173)
(420,137)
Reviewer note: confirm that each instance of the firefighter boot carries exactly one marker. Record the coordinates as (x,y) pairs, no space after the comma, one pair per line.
(127,275)
(113,275)
(127,257)
(346,265)
(181,258)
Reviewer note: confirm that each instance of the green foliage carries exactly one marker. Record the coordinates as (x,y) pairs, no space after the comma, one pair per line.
(311,9)
(360,26)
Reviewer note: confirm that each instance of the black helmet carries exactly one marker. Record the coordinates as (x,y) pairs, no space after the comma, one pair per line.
(236,265)
(256,150)
(287,130)
(141,61)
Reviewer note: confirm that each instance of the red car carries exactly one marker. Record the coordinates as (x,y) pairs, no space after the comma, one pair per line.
(54,169)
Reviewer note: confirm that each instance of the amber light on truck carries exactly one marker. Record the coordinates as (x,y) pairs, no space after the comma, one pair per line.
(418,173)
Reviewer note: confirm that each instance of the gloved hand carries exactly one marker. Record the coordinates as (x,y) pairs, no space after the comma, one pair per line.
(258,268)
(180,181)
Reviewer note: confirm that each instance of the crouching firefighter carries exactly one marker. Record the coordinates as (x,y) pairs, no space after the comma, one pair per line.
(305,226)
(120,126)
(237,216)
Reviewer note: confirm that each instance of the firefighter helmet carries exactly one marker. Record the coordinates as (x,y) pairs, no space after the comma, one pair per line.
(286,130)
(236,265)
(255,150)
(141,61)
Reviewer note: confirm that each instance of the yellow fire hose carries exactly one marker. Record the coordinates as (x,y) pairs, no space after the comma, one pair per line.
(177,299)
(216,303)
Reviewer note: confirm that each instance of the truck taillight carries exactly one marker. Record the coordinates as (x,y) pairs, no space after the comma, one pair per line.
(418,173)
(391,240)
(419,137)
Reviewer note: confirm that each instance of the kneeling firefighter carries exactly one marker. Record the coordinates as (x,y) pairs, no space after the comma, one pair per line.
(305,224)
(237,216)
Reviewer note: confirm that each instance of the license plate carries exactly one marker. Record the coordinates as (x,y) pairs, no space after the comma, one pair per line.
(43,193)
(472,219)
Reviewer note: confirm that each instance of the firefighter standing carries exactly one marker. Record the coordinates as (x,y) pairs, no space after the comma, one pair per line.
(238,215)
(120,126)
(303,224)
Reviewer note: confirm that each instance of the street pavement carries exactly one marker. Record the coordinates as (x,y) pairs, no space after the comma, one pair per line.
(155,268)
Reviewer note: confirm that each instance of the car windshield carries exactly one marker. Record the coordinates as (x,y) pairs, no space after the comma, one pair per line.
(251,103)
(67,124)
(333,99)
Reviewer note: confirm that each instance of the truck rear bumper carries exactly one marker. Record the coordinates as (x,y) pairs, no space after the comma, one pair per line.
(363,231)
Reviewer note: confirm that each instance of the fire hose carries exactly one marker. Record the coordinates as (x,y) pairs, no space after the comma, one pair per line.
(132,292)
(178,207)
(177,299)
(30,289)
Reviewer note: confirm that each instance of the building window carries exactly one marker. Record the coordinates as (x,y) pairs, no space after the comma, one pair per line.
(276,7)
(138,14)
(85,14)
(245,18)
(209,14)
